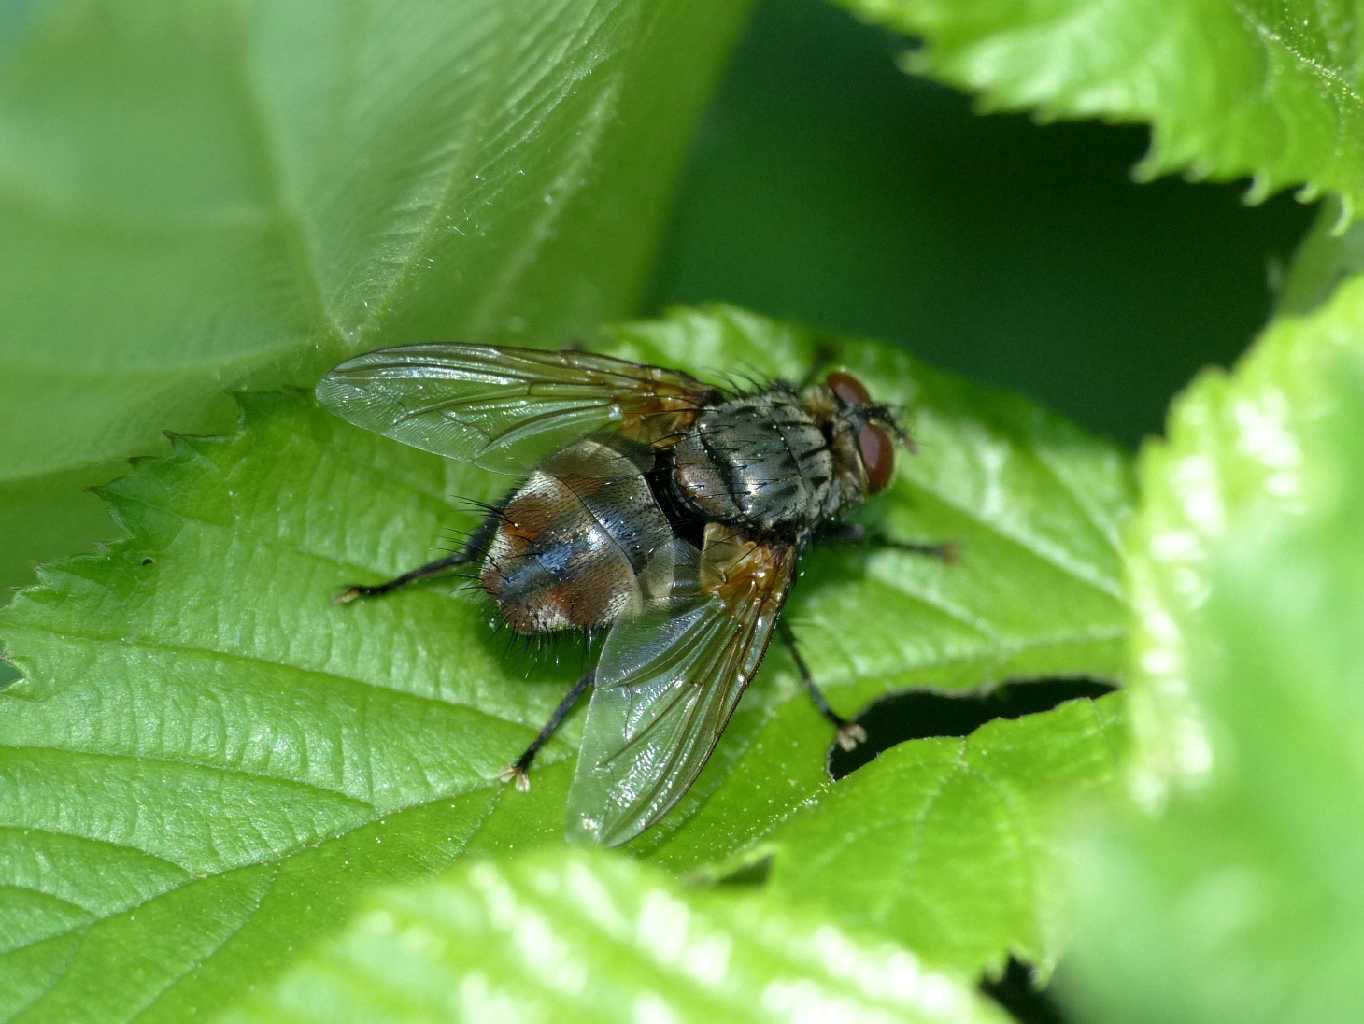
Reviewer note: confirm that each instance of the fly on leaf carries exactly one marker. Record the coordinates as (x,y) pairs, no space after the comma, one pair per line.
(667,512)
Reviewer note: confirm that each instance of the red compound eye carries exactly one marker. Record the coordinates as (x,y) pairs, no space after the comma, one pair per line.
(877,449)
(848,389)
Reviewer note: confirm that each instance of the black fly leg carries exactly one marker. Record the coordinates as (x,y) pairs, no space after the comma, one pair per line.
(946,552)
(519,770)
(420,573)
(473,551)
(850,734)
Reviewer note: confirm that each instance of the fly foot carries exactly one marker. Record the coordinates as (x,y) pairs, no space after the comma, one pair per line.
(514,773)
(850,735)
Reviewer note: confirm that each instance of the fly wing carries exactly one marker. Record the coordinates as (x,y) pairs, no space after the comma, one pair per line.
(505,408)
(668,682)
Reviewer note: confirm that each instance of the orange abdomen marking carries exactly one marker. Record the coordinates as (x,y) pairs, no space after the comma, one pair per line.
(572,541)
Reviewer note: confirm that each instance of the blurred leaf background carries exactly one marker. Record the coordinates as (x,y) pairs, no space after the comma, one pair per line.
(203,197)
(828,186)
(823,185)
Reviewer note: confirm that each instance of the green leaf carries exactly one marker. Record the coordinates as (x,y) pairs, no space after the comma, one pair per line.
(197,195)
(954,846)
(579,935)
(1264,89)
(1325,259)
(1243,903)
(1233,457)
(208,759)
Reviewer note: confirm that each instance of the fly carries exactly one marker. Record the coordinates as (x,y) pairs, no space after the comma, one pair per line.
(667,513)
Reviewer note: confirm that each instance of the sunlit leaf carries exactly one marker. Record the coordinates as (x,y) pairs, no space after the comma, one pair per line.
(209,759)
(954,846)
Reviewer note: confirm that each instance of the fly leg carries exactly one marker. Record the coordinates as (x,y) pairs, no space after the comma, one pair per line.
(472,551)
(850,734)
(519,770)
(420,573)
(947,552)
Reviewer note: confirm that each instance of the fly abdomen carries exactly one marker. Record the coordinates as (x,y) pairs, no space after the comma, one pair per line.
(572,540)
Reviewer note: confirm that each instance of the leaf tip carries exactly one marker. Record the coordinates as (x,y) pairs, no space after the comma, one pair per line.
(916,62)
(1199,170)
(1345,215)
(1147,169)
(1261,187)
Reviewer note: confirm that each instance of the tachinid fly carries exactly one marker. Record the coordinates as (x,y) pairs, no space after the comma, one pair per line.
(667,512)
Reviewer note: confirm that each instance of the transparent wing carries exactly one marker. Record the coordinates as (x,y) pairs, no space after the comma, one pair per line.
(666,685)
(505,408)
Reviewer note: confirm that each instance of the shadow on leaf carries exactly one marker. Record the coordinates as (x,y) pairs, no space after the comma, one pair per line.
(919,714)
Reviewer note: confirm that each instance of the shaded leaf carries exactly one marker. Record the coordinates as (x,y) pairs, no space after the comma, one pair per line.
(1259,89)
(200,195)
(1325,259)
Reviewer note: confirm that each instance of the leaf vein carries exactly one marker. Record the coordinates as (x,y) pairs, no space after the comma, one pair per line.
(1038,549)
(41,830)
(301,251)
(203,958)
(19,887)
(185,763)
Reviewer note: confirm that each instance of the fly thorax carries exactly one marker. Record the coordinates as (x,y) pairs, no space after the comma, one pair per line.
(760,461)
(848,486)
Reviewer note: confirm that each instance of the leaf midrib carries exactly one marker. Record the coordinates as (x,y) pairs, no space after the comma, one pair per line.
(1333,81)
(270,171)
